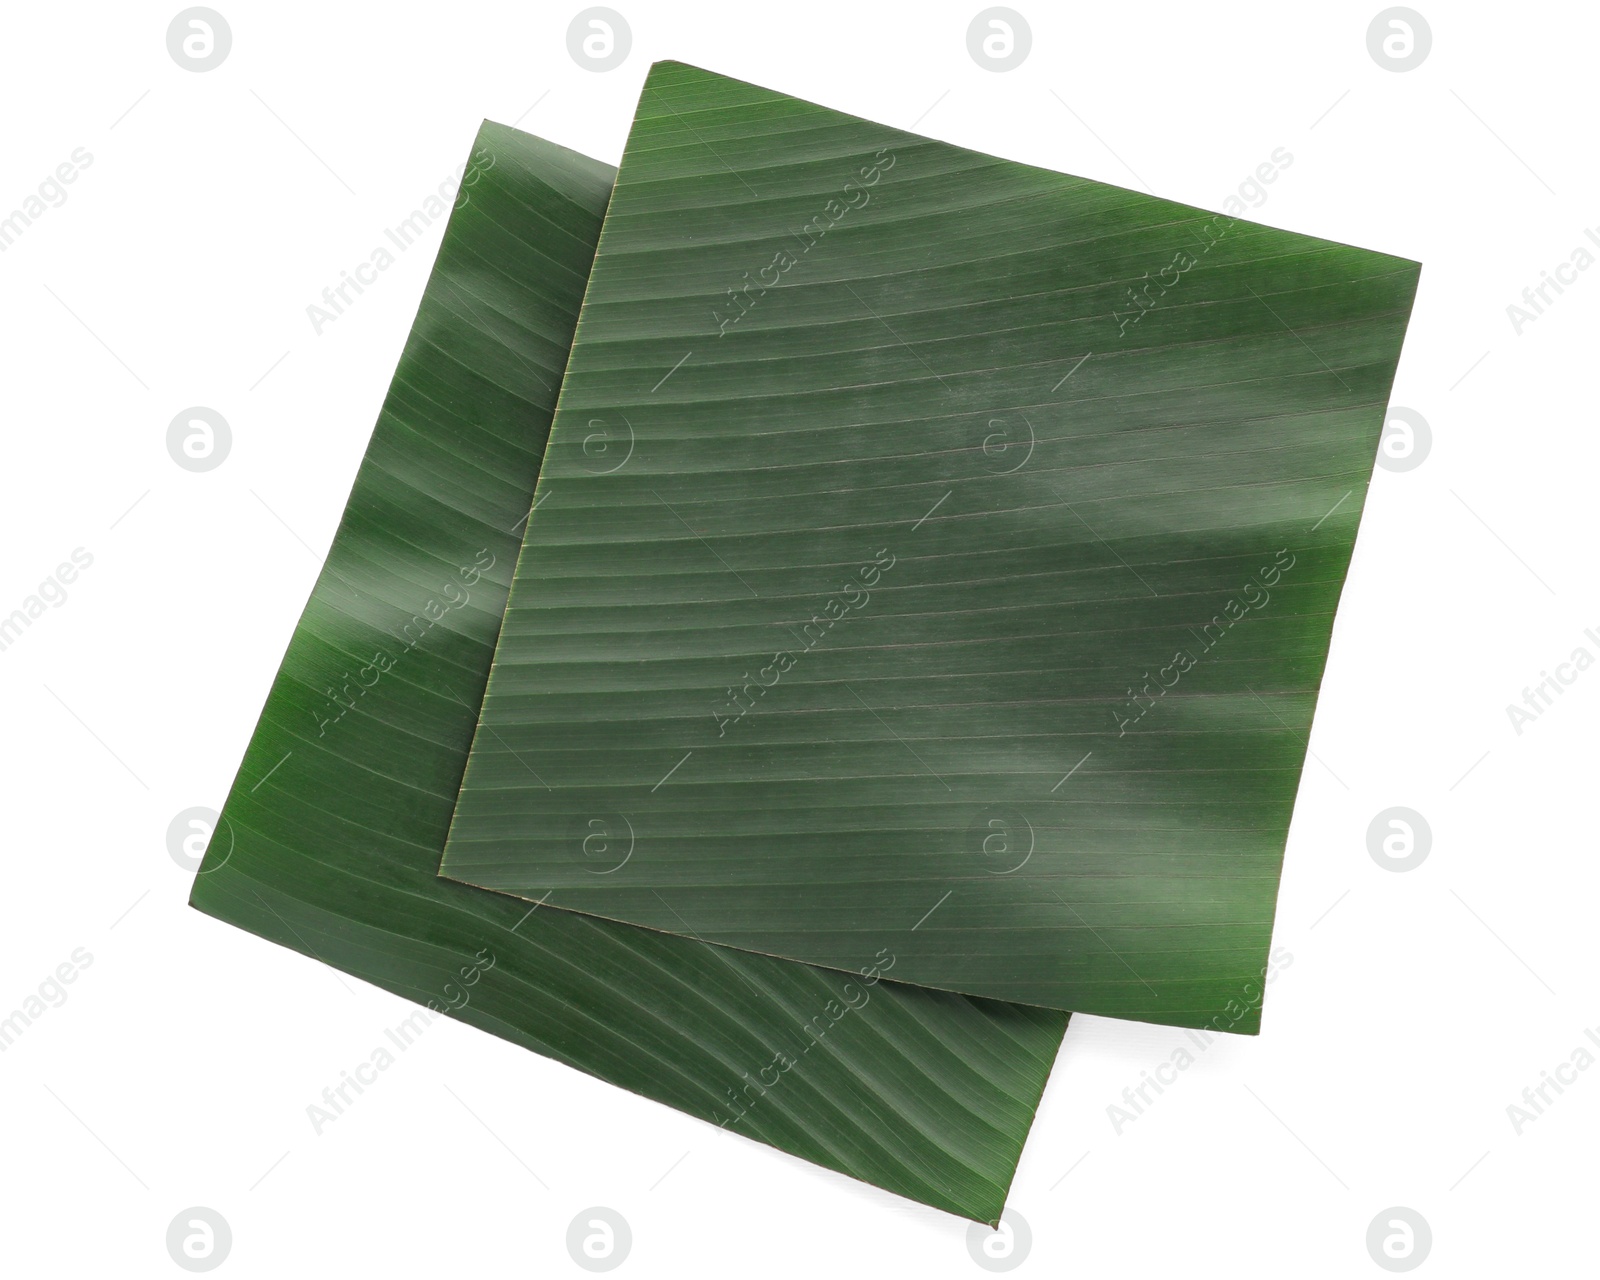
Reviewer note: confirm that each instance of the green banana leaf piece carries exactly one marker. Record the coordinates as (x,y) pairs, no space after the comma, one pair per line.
(960,576)
(330,840)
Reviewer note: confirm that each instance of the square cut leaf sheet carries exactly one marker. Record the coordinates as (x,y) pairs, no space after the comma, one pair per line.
(330,840)
(933,554)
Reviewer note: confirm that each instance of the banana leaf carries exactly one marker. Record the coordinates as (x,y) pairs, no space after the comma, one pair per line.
(330,840)
(961,576)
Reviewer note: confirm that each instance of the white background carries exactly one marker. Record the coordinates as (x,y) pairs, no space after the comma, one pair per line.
(1418,1005)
